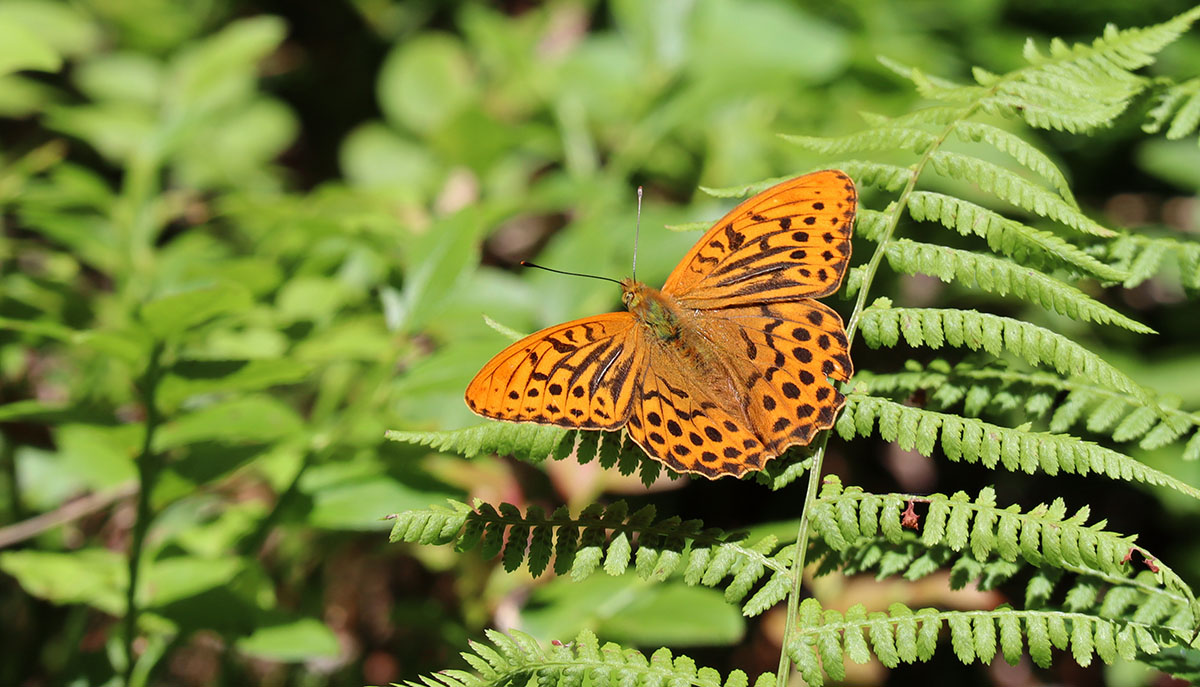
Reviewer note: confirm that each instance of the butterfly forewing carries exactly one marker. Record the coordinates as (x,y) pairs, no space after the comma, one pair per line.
(791,241)
(580,374)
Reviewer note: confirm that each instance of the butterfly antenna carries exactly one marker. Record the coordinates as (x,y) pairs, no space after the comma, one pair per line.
(526,263)
(637,230)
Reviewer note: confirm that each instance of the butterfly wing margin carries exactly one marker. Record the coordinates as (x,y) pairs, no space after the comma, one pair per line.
(790,241)
(582,374)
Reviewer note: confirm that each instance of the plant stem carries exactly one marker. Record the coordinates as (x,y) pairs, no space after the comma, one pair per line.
(147,466)
(818,458)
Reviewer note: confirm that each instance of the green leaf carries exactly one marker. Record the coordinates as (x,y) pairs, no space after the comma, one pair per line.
(189,378)
(361,504)
(628,610)
(172,315)
(302,639)
(96,577)
(21,48)
(425,81)
(526,441)
(244,419)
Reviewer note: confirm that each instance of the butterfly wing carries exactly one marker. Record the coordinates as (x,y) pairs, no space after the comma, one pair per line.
(791,241)
(582,374)
(769,349)
(785,353)
(687,423)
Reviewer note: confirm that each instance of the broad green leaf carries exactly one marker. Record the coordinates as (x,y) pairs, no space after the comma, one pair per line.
(224,66)
(172,315)
(303,639)
(256,418)
(96,577)
(179,577)
(194,377)
(633,612)
(425,81)
(21,48)
(361,504)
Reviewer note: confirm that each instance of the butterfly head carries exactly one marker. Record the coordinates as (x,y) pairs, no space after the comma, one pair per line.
(633,293)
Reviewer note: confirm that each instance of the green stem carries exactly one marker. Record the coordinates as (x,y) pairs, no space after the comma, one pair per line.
(818,458)
(148,467)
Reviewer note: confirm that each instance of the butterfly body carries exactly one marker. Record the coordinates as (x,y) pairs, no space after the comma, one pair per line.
(724,367)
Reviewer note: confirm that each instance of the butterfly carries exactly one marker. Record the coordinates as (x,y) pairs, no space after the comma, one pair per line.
(722,369)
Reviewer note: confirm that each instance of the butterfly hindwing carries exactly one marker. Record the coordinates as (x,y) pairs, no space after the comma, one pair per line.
(791,241)
(786,353)
(683,425)
(580,374)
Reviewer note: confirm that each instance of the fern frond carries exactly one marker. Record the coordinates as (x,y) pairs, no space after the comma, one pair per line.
(879,138)
(1080,87)
(1042,536)
(1004,235)
(610,538)
(883,325)
(825,637)
(1142,257)
(535,443)
(976,441)
(877,174)
(1180,105)
(528,442)
(518,659)
(1014,189)
(1096,406)
(1001,276)
(1016,147)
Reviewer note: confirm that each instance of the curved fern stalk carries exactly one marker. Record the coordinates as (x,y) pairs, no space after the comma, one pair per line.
(1002,276)
(883,325)
(518,659)
(824,638)
(610,538)
(974,441)
(1043,536)
(535,443)
(1153,422)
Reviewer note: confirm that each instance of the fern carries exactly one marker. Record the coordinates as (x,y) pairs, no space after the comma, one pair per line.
(1152,422)
(883,326)
(825,637)
(1180,106)
(535,443)
(975,441)
(1041,536)
(1143,257)
(1001,276)
(1088,590)
(612,539)
(1003,235)
(518,658)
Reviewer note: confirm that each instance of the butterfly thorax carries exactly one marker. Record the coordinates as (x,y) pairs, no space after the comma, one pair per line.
(652,309)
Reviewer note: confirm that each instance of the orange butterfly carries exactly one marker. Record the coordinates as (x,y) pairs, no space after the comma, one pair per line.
(725,367)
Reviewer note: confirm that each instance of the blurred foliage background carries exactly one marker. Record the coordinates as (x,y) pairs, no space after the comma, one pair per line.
(242,239)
